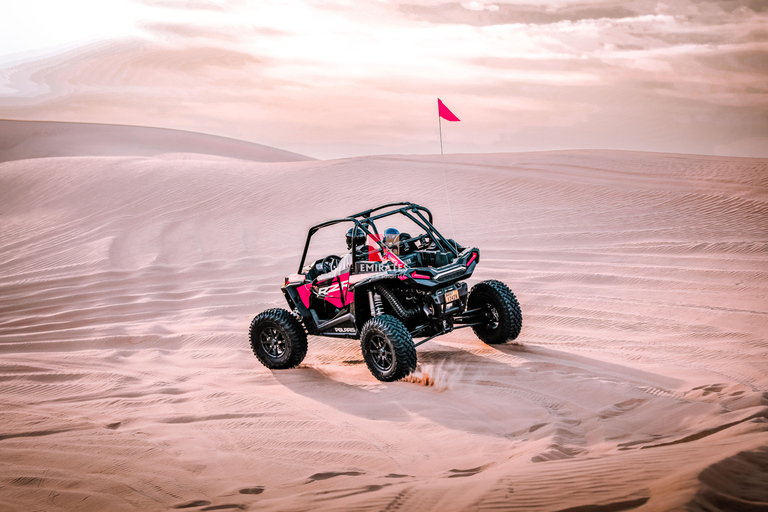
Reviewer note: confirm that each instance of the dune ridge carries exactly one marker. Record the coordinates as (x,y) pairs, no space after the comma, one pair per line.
(20,140)
(638,382)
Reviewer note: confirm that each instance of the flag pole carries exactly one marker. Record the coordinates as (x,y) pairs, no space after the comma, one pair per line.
(442,111)
(445,180)
(440,125)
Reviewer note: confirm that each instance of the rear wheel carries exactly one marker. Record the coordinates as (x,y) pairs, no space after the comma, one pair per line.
(388,348)
(278,340)
(500,310)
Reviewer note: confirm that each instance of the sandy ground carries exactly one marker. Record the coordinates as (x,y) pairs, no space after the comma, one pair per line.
(639,381)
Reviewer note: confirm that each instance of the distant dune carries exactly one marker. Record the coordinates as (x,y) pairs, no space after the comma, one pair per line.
(127,285)
(40,139)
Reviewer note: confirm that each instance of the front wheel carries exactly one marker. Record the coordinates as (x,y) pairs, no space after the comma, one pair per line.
(278,339)
(500,312)
(388,348)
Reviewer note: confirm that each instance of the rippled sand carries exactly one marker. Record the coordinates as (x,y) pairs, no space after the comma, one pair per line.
(639,381)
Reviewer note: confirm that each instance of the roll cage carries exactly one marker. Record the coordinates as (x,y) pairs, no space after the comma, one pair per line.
(366,222)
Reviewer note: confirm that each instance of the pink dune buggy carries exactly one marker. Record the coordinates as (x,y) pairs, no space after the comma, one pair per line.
(390,288)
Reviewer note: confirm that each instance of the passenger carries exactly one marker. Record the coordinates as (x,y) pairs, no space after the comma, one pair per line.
(392,240)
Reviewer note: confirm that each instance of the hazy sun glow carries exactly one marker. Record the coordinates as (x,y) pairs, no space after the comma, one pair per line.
(338,78)
(50,25)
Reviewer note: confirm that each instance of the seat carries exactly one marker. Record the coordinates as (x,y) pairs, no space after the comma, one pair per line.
(405,247)
(365,254)
(316,270)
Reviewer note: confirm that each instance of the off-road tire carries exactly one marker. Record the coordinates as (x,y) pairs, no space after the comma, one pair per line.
(498,302)
(278,339)
(388,348)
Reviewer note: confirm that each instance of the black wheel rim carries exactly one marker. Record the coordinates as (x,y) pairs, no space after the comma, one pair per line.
(273,342)
(382,355)
(492,314)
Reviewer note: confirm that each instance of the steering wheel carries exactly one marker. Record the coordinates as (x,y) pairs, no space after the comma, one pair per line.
(329,263)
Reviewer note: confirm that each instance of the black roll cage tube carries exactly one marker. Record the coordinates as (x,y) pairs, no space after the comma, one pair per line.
(422,222)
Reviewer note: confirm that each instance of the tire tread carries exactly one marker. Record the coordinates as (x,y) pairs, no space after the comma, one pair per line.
(402,343)
(296,341)
(512,318)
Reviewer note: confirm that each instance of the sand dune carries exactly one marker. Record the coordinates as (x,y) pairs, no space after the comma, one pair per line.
(21,140)
(640,381)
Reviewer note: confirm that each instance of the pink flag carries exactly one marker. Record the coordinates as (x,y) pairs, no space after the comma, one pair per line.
(446,114)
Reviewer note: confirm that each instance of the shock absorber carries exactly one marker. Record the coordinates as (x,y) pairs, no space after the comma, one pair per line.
(393,301)
(374,300)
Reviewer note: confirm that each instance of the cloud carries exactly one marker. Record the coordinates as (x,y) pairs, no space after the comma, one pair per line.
(693,13)
(189,31)
(739,61)
(337,78)
(195,5)
(729,6)
(677,38)
(505,14)
(135,66)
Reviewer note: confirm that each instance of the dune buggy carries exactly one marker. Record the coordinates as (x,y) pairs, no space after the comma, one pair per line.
(391,288)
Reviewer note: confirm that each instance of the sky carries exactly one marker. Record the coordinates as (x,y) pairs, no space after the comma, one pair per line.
(342,78)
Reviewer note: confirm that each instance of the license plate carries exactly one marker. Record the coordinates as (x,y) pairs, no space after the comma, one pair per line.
(451,295)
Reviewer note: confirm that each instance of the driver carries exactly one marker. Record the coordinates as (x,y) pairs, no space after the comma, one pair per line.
(345,263)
